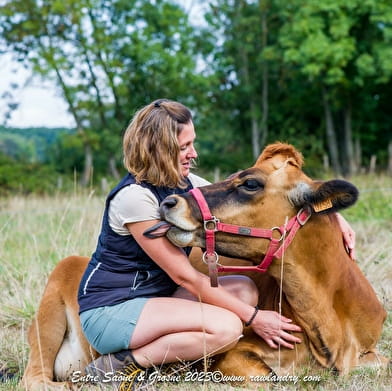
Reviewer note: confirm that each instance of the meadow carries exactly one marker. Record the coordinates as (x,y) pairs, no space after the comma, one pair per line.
(36,232)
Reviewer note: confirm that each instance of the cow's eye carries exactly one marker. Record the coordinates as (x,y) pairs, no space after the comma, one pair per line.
(252,185)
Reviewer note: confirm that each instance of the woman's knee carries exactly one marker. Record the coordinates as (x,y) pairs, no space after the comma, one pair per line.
(242,287)
(250,292)
(227,331)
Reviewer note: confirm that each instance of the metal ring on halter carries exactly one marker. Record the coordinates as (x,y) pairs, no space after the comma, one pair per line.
(214,221)
(280,232)
(214,254)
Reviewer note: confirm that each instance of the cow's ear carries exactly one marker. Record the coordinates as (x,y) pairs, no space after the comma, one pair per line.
(332,196)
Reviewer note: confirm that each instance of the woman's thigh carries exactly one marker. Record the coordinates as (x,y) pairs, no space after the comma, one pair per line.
(170,315)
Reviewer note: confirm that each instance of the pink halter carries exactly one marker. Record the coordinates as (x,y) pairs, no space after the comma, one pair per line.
(275,249)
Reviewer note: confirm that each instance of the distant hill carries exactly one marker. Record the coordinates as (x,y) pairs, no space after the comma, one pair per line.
(29,144)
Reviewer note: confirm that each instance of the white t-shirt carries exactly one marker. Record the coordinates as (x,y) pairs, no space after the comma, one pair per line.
(135,203)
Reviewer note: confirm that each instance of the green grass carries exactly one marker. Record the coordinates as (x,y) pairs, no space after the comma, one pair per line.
(36,232)
(374,203)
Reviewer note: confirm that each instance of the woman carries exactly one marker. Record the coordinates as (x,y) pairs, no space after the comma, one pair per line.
(141,299)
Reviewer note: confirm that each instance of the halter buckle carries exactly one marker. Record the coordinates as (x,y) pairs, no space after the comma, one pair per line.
(211,225)
(303,216)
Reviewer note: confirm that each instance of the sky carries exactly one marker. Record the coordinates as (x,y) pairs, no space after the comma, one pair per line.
(39,103)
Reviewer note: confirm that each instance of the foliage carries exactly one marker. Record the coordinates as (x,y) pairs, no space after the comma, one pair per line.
(374,199)
(16,147)
(342,47)
(29,144)
(19,178)
(253,72)
(108,57)
(304,53)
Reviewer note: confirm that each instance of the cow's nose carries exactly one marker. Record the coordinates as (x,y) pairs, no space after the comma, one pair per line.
(168,203)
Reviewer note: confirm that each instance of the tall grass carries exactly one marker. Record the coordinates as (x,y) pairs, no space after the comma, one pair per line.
(36,232)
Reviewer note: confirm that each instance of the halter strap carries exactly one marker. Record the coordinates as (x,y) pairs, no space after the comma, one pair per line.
(275,249)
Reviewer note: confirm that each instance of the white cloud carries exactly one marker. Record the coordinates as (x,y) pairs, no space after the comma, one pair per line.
(39,105)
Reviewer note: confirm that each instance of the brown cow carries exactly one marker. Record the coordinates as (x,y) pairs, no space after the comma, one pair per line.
(323,289)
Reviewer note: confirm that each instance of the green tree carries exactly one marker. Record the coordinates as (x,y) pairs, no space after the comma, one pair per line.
(257,98)
(344,48)
(108,57)
(240,58)
(311,73)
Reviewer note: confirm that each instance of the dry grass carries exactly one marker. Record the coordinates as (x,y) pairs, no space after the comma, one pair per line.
(35,233)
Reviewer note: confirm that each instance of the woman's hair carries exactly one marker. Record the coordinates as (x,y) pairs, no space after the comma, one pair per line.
(150,143)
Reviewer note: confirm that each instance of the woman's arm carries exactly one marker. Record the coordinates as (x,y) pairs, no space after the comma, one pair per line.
(271,326)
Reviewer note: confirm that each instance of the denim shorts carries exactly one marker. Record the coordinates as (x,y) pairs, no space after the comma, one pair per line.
(109,329)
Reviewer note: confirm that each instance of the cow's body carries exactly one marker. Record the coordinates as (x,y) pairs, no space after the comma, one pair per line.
(319,287)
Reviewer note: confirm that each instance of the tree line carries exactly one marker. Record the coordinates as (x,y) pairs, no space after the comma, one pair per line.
(315,74)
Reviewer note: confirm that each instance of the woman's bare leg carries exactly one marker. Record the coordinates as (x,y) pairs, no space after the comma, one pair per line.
(185,329)
(172,329)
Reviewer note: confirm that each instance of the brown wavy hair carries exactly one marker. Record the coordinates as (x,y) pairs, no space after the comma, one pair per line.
(150,144)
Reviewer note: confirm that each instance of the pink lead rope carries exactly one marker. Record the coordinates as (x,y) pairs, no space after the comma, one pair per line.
(275,249)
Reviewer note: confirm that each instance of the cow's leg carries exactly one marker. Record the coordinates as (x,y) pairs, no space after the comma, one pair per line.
(374,359)
(57,344)
(46,335)
(74,353)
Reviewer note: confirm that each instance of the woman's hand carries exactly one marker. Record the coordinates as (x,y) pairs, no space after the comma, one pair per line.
(274,329)
(348,235)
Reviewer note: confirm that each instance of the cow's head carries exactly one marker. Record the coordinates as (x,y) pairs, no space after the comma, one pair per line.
(263,196)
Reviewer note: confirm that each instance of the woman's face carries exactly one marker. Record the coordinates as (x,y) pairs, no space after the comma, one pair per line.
(188,152)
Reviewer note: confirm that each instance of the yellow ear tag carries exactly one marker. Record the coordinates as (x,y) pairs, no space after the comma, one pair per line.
(323,205)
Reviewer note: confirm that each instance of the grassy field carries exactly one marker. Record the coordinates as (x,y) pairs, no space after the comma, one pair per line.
(37,232)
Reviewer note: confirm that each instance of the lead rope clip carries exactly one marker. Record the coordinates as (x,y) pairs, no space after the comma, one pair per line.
(211,260)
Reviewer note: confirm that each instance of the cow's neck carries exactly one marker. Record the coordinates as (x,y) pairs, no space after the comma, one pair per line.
(320,281)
